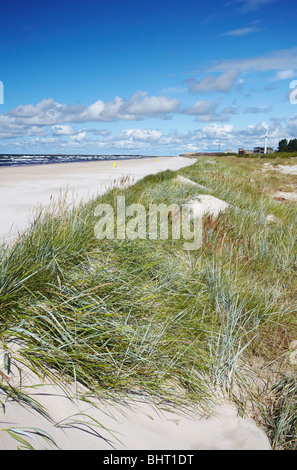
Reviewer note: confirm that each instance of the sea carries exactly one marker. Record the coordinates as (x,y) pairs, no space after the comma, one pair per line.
(19,160)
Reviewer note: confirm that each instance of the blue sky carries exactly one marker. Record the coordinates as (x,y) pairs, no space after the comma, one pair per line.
(146,77)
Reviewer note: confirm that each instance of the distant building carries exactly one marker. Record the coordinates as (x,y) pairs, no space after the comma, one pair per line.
(242,151)
(262,150)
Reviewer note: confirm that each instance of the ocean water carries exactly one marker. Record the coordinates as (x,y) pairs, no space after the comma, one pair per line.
(18,159)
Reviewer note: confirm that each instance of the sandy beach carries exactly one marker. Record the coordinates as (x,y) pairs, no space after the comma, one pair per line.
(23,187)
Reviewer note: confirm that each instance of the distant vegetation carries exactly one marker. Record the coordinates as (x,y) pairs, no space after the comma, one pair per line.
(286,149)
(278,155)
(285,146)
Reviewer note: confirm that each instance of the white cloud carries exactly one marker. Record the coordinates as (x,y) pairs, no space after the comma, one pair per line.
(79,137)
(103,132)
(62,129)
(47,112)
(257,109)
(201,107)
(222,83)
(12,127)
(142,105)
(280,60)
(59,116)
(206,138)
(214,131)
(134,138)
(146,135)
(137,107)
(32,119)
(205,111)
(242,31)
(156,141)
(284,74)
(92,112)
(292,127)
(252,5)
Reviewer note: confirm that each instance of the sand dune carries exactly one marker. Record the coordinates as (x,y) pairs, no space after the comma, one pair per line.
(74,423)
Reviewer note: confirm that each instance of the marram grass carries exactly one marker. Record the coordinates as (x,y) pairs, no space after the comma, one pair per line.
(148,317)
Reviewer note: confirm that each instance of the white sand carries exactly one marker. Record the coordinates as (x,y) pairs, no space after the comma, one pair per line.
(138,424)
(207,204)
(22,188)
(141,425)
(288,169)
(290,196)
(204,203)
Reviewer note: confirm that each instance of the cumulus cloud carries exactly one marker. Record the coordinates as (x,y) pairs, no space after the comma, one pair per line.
(156,141)
(62,129)
(50,113)
(78,137)
(140,105)
(47,112)
(103,132)
(205,111)
(145,135)
(206,138)
(134,138)
(222,83)
(214,131)
(12,128)
(201,107)
(30,119)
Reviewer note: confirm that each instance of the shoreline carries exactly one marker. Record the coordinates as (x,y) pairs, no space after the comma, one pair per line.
(6,162)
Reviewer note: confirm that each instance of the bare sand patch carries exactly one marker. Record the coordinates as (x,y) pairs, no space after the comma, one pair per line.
(135,423)
(285,195)
(288,169)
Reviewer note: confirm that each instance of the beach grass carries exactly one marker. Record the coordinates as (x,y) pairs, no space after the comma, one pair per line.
(147,316)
